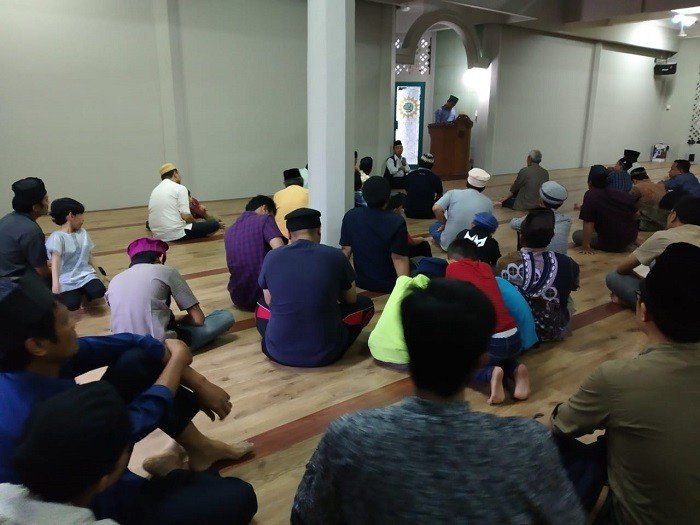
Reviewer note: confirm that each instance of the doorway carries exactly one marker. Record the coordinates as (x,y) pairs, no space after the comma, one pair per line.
(408,119)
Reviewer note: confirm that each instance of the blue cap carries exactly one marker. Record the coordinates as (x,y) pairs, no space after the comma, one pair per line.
(487,221)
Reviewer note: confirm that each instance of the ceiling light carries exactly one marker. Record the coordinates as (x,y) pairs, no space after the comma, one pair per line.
(688,11)
(684,20)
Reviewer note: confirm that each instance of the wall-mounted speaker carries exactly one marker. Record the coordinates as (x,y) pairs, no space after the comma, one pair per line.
(665,69)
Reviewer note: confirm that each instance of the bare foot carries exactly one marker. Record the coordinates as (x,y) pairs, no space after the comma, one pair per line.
(614,298)
(161,465)
(214,451)
(498,395)
(522,383)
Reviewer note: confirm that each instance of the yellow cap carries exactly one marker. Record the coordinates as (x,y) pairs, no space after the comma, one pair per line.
(168,166)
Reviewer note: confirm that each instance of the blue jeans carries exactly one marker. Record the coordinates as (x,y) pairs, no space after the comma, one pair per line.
(216,323)
(625,287)
(434,233)
(503,352)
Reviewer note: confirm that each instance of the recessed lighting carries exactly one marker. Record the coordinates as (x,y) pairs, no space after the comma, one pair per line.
(406,9)
(688,11)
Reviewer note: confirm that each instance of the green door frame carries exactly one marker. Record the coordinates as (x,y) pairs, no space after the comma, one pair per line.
(422,112)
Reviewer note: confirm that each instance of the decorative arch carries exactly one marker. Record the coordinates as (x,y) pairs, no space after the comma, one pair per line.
(476,57)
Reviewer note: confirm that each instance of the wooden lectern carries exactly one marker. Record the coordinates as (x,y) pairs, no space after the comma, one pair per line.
(449,144)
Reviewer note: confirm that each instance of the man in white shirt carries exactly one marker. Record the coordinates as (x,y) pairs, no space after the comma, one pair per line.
(169,216)
(396,167)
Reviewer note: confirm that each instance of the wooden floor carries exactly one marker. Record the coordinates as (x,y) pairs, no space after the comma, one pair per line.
(284,411)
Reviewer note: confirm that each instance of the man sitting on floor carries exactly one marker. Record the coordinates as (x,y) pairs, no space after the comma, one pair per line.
(430,458)
(247,241)
(618,177)
(139,300)
(396,167)
(311,312)
(455,210)
(552,196)
(376,238)
(683,225)
(648,407)
(41,356)
(21,238)
(505,345)
(524,193)
(680,178)
(169,216)
(608,216)
(481,234)
(423,188)
(545,278)
(292,197)
(647,196)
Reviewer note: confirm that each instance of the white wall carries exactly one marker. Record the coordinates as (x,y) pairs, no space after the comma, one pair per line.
(79,99)
(244,75)
(628,106)
(542,96)
(675,123)
(91,91)
(450,66)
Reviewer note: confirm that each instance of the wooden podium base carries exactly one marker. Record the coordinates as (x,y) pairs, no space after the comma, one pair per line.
(450,148)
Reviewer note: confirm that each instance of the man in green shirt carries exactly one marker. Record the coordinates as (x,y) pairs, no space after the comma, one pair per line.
(648,406)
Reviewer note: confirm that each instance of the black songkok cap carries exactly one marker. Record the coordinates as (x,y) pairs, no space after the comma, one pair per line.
(303,219)
(29,191)
(71,440)
(376,191)
(292,173)
(453,99)
(632,155)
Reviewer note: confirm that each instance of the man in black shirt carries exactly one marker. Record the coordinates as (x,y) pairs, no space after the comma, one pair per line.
(21,238)
(423,188)
(378,239)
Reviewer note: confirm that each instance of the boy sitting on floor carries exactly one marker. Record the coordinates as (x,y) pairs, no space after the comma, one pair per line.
(505,345)
(140,297)
(481,234)
(72,271)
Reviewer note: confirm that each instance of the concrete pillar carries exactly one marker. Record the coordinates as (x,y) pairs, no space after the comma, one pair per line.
(330,100)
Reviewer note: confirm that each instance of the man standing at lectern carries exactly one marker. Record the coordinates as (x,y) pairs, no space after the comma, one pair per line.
(447,112)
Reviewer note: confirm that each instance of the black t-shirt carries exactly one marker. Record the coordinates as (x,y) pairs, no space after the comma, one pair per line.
(374,235)
(22,244)
(488,249)
(422,187)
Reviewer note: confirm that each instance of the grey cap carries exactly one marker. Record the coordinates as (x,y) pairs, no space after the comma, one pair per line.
(553,193)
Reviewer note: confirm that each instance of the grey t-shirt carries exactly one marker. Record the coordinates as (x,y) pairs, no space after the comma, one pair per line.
(21,244)
(460,207)
(422,461)
(139,299)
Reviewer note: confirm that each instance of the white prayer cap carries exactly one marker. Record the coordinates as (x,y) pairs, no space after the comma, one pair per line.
(478,177)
